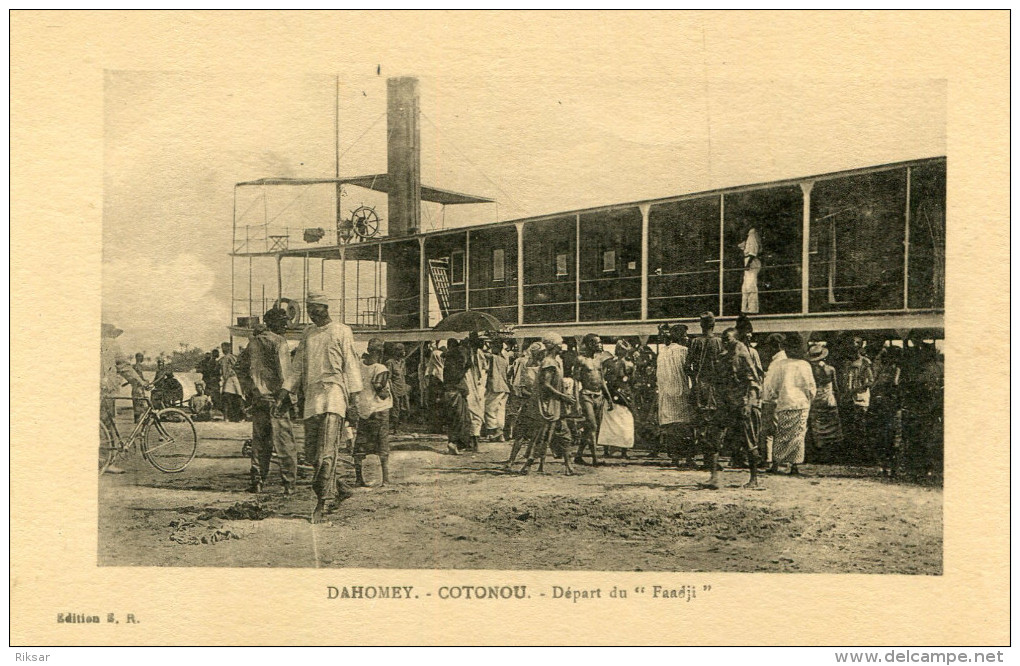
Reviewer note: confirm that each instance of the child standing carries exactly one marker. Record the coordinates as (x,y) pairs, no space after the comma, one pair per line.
(374,404)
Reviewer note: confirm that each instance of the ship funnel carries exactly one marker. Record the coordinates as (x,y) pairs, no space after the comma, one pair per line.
(403,155)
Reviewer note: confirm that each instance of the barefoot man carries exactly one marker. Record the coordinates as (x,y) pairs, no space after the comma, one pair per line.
(327,368)
(592,393)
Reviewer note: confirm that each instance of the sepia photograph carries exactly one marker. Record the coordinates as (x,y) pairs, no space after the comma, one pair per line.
(427,325)
(414,341)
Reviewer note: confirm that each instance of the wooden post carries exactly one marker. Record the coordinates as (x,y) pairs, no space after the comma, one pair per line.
(423,301)
(805,249)
(645,209)
(304,282)
(906,246)
(378,288)
(249,257)
(467,270)
(722,250)
(233,249)
(577,268)
(520,273)
(279,279)
(343,284)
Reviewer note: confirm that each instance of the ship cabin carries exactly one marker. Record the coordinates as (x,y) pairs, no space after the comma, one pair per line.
(857,250)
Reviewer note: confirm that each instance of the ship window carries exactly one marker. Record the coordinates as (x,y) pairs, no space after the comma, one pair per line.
(608,261)
(561,264)
(498,265)
(457,267)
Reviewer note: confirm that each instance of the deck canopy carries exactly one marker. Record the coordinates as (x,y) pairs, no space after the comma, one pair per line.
(379,183)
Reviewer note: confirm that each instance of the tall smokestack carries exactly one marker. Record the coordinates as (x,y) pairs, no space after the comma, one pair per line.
(403,155)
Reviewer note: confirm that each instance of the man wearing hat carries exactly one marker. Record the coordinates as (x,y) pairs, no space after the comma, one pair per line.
(261,369)
(114,366)
(705,368)
(823,419)
(326,367)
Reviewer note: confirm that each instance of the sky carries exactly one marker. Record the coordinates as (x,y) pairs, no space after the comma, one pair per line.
(538,127)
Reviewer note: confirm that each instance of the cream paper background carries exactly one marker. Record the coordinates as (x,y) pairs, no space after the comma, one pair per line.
(57,66)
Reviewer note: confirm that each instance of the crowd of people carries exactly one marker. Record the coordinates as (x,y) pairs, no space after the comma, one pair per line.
(770,404)
(759,404)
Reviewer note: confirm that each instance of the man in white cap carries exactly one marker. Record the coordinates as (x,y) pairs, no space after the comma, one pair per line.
(326,366)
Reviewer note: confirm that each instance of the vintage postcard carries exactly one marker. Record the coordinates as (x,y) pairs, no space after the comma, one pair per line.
(426,325)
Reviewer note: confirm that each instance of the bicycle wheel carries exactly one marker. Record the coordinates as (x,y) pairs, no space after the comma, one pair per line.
(170,440)
(107,447)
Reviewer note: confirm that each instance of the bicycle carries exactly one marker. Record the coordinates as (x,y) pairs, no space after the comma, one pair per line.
(167,438)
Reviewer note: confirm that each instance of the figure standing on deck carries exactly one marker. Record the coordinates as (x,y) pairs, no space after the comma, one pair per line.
(326,367)
(752,266)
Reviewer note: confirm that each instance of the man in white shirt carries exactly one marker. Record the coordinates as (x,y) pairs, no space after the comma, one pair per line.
(326,366)
(676,416)
(787,392)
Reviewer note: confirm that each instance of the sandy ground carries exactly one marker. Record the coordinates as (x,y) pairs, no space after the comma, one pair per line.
(462,512)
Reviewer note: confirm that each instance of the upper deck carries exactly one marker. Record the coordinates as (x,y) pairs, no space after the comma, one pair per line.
(858,249)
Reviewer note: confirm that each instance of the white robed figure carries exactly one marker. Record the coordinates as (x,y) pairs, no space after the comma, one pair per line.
(752,266)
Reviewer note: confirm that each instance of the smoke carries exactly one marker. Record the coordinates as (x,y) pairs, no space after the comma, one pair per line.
(162,302)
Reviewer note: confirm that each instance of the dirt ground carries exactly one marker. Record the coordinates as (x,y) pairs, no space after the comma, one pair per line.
(463,512)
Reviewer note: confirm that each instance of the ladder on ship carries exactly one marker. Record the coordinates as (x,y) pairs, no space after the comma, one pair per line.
(439,271)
